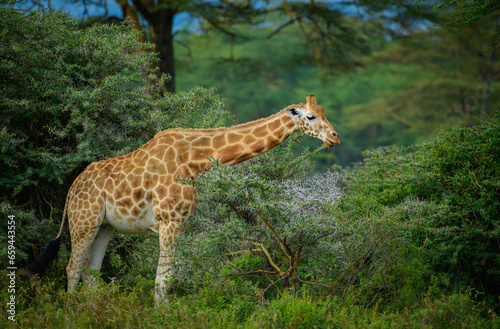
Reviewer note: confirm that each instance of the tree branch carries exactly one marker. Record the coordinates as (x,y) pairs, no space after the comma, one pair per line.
(278,30)
(270,260)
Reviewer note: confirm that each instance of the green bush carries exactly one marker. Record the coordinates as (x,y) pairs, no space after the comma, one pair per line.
(292,311)
(440,199)
(458,310)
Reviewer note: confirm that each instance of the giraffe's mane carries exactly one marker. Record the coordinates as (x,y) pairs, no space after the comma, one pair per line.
(221,130)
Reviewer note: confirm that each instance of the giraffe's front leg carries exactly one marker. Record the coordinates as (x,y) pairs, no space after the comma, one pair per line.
(168,230)
(172,212)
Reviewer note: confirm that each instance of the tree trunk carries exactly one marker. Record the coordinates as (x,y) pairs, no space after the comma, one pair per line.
(161,33)
(160,17)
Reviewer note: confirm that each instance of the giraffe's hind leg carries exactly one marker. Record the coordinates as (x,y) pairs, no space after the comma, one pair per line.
(96,252)
(85,230)
(81,242)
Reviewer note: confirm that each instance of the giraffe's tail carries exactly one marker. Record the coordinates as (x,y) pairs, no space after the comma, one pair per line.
(45,259)
(50,253)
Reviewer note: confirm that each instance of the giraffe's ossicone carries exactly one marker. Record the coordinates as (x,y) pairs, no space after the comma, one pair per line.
(140,191)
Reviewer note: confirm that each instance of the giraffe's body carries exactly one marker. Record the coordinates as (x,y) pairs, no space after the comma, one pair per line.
(141,191)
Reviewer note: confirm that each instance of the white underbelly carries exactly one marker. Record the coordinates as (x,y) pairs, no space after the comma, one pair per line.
(131,221)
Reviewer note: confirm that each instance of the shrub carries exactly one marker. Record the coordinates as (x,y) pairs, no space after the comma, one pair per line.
(440,200)
(291,311)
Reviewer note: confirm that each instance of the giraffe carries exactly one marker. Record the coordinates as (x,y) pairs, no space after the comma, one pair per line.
(141,191)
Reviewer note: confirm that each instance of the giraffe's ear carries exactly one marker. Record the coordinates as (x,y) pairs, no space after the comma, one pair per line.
(294,112)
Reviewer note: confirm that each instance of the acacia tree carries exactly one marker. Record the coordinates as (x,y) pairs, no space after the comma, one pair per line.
(470,11)
(326,25)
(333,38)
(160,15)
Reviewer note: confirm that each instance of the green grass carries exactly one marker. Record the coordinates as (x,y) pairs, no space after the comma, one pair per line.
(45,305)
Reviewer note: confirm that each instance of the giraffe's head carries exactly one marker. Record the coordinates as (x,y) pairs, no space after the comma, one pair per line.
(310,119)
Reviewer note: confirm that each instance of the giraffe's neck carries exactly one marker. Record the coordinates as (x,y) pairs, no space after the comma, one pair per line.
(246,141)
(229,145)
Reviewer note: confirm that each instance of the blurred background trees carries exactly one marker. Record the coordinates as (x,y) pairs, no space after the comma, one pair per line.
(323,24)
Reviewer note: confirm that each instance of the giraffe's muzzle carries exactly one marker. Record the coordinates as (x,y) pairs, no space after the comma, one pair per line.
(332,140)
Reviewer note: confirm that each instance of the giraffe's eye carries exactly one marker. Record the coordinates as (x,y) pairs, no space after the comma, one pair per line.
(310,117)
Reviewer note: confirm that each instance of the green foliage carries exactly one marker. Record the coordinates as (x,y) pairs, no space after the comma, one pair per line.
(113,305)
(442,196)
(293,311)
(471,11)
(455,311)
